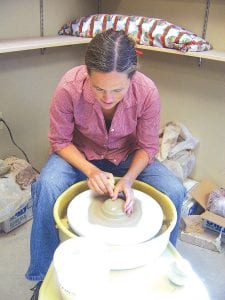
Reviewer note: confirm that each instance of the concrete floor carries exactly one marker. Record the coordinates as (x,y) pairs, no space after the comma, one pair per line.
(14,256)
(209,265)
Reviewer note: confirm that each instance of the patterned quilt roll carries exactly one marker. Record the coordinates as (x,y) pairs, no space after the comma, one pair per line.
(145,31)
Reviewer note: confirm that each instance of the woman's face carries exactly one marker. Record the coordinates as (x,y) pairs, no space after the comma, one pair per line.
(109,88)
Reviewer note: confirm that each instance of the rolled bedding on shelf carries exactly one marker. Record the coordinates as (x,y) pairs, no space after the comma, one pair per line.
(146,31)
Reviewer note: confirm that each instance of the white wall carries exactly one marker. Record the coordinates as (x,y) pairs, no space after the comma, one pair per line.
(192,95)
(28,79)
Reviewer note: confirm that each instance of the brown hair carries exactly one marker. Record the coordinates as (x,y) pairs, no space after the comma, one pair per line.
(111,51)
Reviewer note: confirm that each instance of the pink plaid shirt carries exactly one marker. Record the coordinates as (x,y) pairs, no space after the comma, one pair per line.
(76,117)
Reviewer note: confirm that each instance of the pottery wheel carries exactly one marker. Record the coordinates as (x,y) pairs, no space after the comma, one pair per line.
(98,216)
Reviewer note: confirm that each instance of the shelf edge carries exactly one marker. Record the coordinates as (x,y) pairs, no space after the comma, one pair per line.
(16,45)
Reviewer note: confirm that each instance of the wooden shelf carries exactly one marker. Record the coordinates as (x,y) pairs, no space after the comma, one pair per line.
(15,45)
(210,54)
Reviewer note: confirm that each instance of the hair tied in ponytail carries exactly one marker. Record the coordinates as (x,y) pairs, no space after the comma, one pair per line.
(139,52)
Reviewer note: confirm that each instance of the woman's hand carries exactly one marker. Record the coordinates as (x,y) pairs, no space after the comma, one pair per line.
(101,182)
(124,186)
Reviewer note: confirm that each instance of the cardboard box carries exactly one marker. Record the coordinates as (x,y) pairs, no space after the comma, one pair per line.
(192,224)
(190,207)
(212,224)
(23,214)
(201,193)
(207,239)
(217,228)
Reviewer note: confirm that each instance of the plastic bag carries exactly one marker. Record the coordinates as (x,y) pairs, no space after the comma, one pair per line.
(216,202)
(176,149)
(23,172)
(11,197)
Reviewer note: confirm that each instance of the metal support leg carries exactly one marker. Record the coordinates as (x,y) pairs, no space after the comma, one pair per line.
(206,17)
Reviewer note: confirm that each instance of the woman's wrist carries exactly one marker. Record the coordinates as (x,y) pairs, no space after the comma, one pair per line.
(129,179)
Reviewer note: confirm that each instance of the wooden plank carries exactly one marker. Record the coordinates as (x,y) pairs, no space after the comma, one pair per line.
(210,54)
(15,45)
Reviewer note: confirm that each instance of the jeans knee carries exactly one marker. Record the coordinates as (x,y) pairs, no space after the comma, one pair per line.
(176,192)
(56,180)
(45,192)
(45,182)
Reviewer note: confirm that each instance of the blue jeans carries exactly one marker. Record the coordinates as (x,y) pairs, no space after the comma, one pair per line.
(56,176)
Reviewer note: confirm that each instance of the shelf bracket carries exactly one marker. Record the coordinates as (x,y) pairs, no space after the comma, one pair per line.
(204,29)
(99,6)
(42,21)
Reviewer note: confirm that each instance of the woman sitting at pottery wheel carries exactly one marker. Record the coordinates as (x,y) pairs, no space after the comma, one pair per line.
(104,122)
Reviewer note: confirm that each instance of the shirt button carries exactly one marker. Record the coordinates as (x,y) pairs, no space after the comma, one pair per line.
(102,156)
(114,160)
(112,130)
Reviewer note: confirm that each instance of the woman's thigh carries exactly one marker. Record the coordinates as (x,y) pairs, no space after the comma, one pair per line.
(158,176)
(55,177)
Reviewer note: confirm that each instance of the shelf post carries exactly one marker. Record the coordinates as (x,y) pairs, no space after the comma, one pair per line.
(99,6)
(42,21)
(206,18)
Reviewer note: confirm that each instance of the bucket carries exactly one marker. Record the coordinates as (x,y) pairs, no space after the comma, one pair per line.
(123,257)
(82,269)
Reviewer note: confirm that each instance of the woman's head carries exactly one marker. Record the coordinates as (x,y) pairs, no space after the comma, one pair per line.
(111,51)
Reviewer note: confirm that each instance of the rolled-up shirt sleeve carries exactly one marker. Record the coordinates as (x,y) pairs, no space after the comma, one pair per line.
(61,125)
(149,124)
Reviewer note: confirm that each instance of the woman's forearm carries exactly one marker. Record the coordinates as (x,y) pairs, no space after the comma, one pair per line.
(73,156)
(139,162)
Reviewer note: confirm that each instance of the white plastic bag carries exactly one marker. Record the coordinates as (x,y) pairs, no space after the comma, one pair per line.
(176,149)
(216,202)
(11,196)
